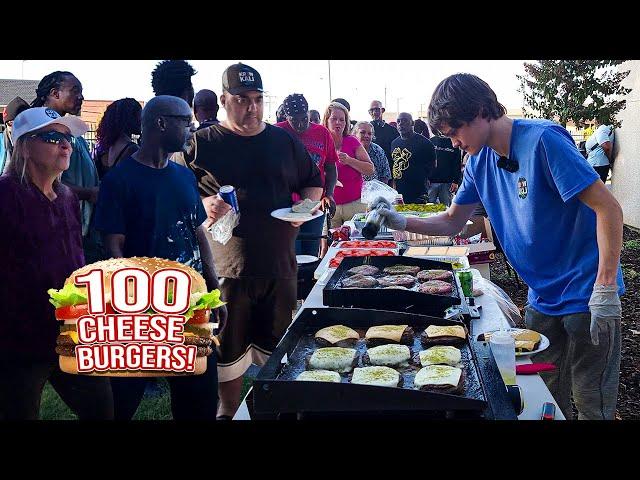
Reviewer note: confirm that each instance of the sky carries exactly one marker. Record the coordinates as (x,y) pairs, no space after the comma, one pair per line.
(408,83)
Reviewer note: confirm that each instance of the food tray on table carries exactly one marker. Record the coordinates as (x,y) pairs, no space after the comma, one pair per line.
(335,255)
(277,392)
(403,300)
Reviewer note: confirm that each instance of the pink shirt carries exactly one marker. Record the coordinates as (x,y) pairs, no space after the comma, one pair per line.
(319,144)
(348,176)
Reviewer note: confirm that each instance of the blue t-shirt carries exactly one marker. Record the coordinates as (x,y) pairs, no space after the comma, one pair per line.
(158,211)
(546,232)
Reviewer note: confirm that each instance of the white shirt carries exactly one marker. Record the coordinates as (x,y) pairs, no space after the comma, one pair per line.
(597,157)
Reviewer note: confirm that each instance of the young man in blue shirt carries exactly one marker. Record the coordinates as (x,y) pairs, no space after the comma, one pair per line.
(559,226)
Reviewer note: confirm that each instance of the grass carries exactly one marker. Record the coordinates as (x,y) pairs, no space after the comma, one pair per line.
(629,272)
(632,245)
(152,407)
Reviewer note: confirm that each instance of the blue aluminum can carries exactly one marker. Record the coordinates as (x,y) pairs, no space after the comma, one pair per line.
(228,194)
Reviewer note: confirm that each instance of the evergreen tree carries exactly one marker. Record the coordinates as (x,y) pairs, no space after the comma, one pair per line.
(576,90)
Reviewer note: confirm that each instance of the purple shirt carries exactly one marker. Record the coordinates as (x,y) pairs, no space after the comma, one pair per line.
(40,246)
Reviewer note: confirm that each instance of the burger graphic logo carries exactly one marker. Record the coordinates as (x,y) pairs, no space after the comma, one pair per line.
(135,316)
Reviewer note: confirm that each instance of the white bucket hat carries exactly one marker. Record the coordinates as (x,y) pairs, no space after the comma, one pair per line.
(38,117)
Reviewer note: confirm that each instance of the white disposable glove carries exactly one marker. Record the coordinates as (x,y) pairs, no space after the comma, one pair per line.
(605,308)
(390,218)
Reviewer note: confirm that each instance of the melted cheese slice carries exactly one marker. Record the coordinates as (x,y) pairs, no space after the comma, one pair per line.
(525,345)
(440,355)
(438,375)
(319,376)
(433,331)
(520,334)
(389,355)
(381,376)
(337,333)
(388,332)
(333,358)
(72,334)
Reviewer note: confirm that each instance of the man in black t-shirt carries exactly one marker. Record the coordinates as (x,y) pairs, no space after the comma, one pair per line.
(413,161)
(257,267)
(447,175)
(384,133)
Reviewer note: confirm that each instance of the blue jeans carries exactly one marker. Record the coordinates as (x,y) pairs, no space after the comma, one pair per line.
(590,372)
(310,228)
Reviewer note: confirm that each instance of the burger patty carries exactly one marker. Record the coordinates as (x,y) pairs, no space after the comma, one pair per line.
(425,275)
(397,280)
(363,270)
(406,339)
(70,351)
(436,287)
(359,281)
(402,270)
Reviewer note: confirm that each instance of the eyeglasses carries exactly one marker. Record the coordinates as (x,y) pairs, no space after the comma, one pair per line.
(190,124)
(375,109)
(53,137)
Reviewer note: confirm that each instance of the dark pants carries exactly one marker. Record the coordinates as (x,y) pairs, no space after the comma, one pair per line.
(21,386)
(590,373)
(309,229)
(193,397)
(603,171)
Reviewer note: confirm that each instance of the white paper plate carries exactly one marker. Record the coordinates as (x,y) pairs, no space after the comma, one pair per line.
(287,215)
(544,343)
(300,259)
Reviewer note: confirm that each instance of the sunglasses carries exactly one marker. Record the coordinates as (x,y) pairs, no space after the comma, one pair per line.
(184,118)
(53,137)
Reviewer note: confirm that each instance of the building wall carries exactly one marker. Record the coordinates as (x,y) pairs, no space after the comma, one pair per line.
(625,178)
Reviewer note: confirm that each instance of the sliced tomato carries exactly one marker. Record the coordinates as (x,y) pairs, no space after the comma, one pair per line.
(200,316)
(73,312)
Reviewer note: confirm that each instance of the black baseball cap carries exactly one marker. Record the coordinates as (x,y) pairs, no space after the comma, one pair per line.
(13,108)
(241,78)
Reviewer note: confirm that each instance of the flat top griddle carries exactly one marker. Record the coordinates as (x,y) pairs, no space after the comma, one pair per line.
(276,391)
(411,301)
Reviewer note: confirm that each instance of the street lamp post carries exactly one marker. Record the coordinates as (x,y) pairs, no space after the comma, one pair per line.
(330,96)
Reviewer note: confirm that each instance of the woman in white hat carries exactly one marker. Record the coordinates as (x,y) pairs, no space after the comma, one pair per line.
(40,246)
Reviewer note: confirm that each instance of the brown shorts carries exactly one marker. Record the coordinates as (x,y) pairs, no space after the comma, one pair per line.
(259,312)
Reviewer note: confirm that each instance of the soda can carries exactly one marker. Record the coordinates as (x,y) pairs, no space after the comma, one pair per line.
(228,194)
(466,281)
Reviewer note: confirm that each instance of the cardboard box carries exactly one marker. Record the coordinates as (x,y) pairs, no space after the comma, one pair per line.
(483,252)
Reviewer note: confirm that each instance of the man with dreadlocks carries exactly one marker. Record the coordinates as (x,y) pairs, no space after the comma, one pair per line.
(173,77)
(62,92)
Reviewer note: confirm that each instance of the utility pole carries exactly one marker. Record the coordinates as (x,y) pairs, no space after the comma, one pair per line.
(269,97)
(398,104)
(330,95)
(385,96)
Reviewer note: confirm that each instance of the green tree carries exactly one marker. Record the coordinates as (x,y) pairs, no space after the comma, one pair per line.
(576,90)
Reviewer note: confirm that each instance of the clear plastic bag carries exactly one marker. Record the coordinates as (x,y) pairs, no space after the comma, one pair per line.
(222,230)
(508,308)
(374,189)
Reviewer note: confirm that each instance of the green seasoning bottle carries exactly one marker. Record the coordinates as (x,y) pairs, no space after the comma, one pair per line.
(466,281)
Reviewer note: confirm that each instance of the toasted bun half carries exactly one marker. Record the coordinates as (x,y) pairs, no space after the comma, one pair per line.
(148,264)
(68,365)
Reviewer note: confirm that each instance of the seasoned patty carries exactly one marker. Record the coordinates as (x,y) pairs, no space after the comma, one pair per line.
(425,275)
(359,281)
(397,280)
(436,287)
(366,270)
(443,340)
(406,339)
(402,270)
(443,388)
(389,355)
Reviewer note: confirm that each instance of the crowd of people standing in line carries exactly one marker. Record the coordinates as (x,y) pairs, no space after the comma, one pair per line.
(62,209)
